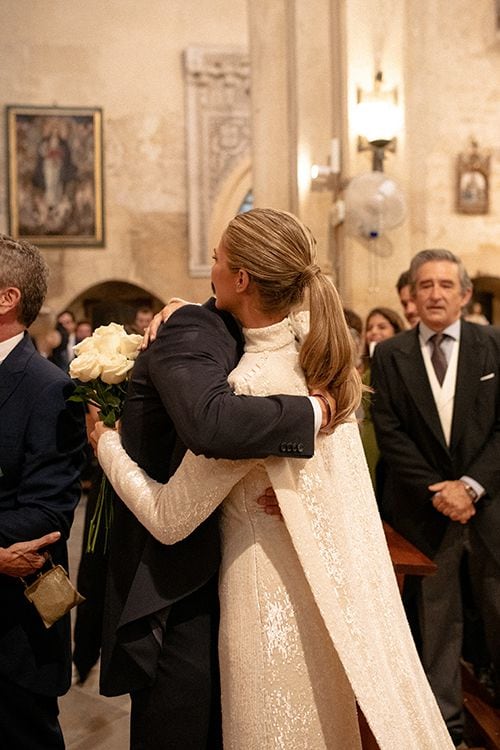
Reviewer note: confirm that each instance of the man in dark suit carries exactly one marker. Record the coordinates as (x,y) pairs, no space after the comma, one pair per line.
(41,452)
(437,418)
(160,625)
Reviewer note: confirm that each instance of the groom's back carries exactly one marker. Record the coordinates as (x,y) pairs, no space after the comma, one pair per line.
(145,576)
(148,433)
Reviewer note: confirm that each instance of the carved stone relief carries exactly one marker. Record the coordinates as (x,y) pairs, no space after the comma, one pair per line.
(218,136)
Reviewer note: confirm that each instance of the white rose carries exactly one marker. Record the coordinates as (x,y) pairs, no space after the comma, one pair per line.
(107,339)
(129,346)
(110,330)
(87,345)
(114,368)
(85,367)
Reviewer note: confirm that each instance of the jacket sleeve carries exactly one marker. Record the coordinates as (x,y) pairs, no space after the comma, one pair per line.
(48,479)
(193,356)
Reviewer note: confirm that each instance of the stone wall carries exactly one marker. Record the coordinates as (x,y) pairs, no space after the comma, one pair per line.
(127,58)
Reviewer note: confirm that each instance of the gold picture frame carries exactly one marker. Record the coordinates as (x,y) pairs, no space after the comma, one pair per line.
(473,181)
(55,175)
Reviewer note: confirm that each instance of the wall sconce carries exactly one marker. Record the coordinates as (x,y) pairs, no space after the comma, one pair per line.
(326,177)
(378,119)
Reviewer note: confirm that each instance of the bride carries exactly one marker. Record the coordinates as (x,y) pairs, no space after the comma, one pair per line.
(311,617)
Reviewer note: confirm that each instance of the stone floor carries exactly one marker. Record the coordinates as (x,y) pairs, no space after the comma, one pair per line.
(90,721)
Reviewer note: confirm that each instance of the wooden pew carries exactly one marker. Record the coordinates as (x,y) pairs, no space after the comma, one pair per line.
(482,718)
(406,560)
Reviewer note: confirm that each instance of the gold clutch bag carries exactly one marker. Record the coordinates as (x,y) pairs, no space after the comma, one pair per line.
(53,594)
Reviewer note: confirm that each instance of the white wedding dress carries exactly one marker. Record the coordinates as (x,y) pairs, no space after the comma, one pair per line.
(311,616)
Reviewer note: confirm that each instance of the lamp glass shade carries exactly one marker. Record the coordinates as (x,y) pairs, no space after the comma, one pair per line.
(378,118)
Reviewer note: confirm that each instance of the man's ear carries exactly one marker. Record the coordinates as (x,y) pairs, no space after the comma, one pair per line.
(10,297)
(466,297)
(242,280)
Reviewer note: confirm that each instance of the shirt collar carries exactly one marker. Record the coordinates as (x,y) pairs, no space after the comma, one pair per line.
(9,344)
(453,331)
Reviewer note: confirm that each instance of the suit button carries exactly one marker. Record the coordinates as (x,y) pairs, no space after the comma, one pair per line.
(300,448)
(294,447)
(283,447)
(289,448)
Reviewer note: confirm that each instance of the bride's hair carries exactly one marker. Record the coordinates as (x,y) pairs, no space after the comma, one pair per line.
(279,254)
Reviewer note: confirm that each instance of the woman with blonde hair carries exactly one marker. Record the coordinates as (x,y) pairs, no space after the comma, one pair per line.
(311,617)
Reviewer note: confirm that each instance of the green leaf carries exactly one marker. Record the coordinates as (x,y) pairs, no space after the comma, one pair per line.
(109,419)
(79,399)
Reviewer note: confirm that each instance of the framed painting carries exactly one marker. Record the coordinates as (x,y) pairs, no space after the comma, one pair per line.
(55,175)
(472,181)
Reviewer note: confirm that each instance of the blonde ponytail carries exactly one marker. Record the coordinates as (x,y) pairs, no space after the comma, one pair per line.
(279,253)
(328,355)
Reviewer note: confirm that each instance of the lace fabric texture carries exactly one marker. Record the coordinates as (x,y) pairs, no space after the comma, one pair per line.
(311,616)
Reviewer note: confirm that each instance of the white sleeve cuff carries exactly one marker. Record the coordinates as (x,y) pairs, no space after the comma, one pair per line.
(318,415)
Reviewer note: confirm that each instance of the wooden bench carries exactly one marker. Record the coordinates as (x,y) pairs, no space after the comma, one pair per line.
(482,718)
(406,560)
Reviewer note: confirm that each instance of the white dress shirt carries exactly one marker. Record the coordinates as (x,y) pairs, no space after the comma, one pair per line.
(444,395)
(9,344)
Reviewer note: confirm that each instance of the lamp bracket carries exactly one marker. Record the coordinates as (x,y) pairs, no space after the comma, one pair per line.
(378,149)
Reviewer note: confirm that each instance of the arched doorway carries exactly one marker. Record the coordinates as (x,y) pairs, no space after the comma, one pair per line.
(487,293)
(113,301)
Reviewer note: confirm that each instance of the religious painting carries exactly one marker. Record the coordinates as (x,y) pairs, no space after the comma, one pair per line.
(473,173)
(55,175)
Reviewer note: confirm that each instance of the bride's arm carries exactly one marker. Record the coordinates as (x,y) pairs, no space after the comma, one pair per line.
(171,511)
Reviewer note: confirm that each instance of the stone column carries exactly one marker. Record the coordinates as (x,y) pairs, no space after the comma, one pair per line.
(295,82)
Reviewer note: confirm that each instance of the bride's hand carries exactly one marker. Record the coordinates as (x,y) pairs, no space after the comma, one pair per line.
(99,430)
(270,504)
(328,409)
(151,331)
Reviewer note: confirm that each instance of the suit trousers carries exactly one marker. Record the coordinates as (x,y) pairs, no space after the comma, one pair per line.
(182,708)
(28,721)
(440,612)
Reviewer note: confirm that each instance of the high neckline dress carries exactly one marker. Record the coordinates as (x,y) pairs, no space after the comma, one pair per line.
(311,616)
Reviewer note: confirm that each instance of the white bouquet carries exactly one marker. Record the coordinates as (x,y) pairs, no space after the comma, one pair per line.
(102,364)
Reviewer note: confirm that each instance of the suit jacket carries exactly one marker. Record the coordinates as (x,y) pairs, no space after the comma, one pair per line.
(41,453)
(179,396)
(411,440)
